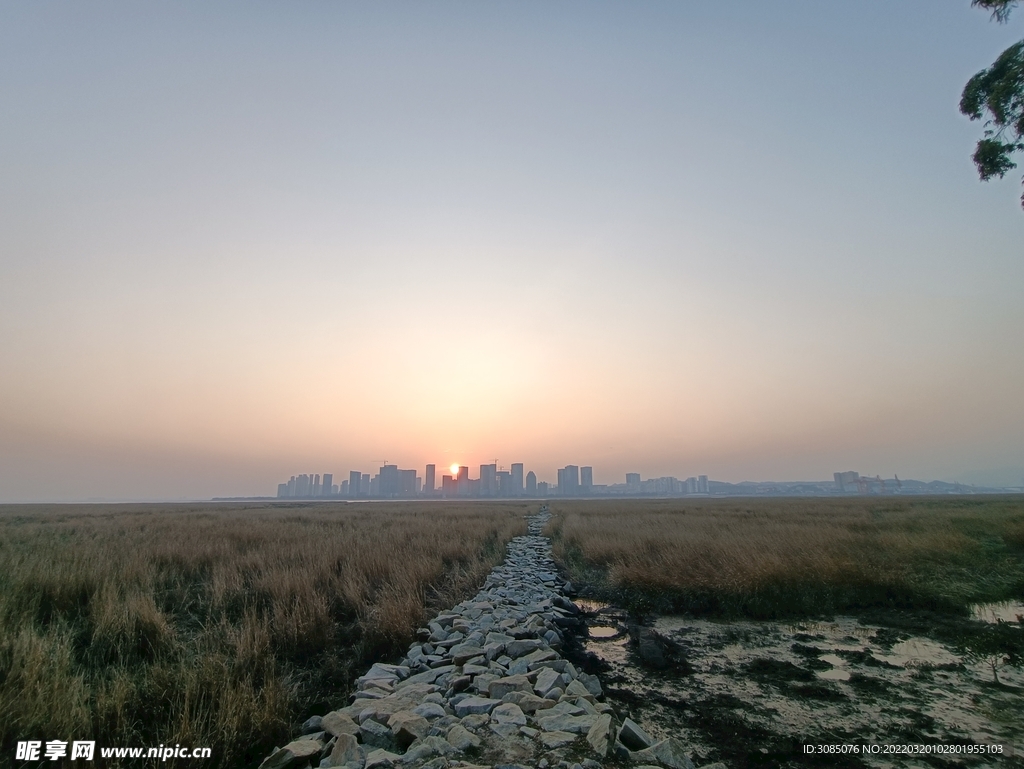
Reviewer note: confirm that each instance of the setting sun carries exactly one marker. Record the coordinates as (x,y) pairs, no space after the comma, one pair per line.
(454,468)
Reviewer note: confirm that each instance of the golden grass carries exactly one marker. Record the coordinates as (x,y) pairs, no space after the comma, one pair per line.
(795,556)
(219,625)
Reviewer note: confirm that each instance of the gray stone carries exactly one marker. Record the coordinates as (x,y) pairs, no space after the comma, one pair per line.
(475,720)
(407,727)
(528,702)
(522,647)
(472,705)
(547,680)
(499,688)
(460,738)
(509,712)
(346,751)
(381,758)
(375,735)
(312,725)
(668,752)
(293,754)
(427,748)
(560,722)
(599,735)
(429,710)
(462,653)
(591,682)
(556,739)
(336,724)
(633,737)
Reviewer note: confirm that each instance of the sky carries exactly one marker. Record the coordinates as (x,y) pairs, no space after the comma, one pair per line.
(242,241)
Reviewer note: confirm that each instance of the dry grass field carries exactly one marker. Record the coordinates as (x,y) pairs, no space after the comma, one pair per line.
(789,557)
(218,625)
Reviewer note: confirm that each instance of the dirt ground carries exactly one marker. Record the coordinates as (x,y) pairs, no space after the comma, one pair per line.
(755,694)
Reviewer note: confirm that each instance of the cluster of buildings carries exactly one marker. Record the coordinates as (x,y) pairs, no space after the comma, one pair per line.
(391,482)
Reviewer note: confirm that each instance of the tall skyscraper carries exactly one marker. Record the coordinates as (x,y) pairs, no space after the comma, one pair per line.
(408,480)
(316,485)
(428,479)
(343,489)
(531,483)
(569,481)
(325,488)
(702,484)
(364,485)
(282,490)
(586,478)
(390,481)
(517,478)
(463,481)
(355,488)
(488,480)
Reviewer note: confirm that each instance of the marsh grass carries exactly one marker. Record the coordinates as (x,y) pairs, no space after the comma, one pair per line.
(218,626)
(795,557)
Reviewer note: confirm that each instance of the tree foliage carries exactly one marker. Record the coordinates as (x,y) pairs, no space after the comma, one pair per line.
(996,95)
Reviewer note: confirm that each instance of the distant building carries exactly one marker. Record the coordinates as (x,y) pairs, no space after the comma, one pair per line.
(364,486)
(449,486)
(633,483)
(408,483)
(531,483)
(847,479)
(464,487)
(428,479)
(355,486)
(569,481)
(702,484)
(282,490)
(327,487)
(542,489)
(505,484)
(691,485)
(586,479)
(517,478)
(343,490)
(488,480)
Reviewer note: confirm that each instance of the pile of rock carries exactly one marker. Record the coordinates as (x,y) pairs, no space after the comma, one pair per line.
(484,683)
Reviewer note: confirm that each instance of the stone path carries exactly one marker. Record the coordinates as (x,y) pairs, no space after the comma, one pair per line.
(484,686)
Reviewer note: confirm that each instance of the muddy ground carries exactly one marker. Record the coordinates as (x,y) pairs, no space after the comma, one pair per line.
(754,694)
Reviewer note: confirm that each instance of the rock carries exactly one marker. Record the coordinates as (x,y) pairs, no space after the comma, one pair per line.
(336,724)
(547,680)
(502,686)
(633,737)
(668,752)
(529,731)
(650,647)
(591,682)
(599,735)
(475,721)
(427,748)
(407,727)
(556,739)
(460,738)
(560,722)
(472,705)
(504,729)
(429,710)
(528,702)
(519,648)
(381,758)
(346,751)
(293,754)
(462,653)
(375,735)
(509,712)
(312,725)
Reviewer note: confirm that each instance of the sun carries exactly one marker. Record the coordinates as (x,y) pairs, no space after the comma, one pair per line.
(454,468)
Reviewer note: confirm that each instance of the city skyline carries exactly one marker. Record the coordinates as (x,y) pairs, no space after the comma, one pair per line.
(238,240)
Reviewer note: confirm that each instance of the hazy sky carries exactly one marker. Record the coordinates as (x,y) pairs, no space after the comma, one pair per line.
(244,241)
